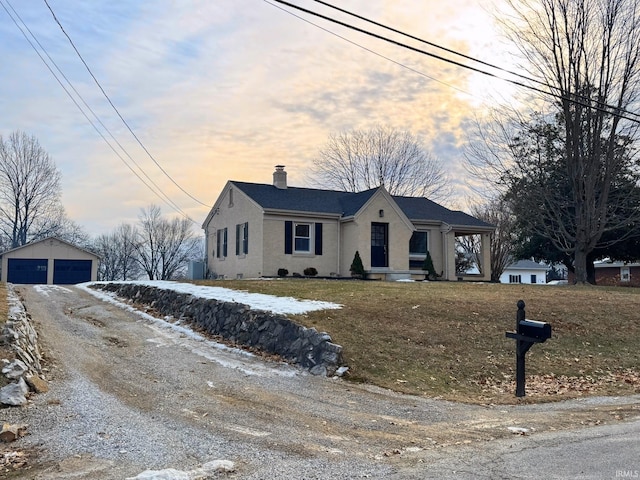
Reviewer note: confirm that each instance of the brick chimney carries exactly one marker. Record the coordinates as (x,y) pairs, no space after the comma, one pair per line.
(280,177)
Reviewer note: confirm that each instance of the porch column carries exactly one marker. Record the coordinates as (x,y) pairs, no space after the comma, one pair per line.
(448,252)
(485,246)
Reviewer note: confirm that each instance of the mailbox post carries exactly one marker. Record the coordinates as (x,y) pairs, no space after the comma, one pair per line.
(527,333)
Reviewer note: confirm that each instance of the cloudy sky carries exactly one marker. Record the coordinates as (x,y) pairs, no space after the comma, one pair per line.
(219,90)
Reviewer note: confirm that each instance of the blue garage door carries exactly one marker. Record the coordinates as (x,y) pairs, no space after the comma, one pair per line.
(66,272)
(27,270)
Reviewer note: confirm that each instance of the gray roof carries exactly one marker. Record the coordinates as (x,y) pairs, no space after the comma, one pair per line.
(527,265)
(420,208)
(310,200)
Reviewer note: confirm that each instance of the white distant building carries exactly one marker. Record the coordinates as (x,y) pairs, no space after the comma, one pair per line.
(525,271)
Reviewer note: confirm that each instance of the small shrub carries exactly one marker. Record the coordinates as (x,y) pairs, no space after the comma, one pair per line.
(428,267)
(283,272)
(310,272)
(357,268)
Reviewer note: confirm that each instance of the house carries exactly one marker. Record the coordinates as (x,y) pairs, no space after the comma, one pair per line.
(254,230)
(617,273)
(525,271)
(49,261)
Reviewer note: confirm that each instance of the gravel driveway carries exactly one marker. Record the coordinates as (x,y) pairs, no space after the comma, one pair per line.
(127,395)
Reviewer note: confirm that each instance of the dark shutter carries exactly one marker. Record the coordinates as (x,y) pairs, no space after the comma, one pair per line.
(238,239)
(318,241)
(224,247)
(288,237)
(246,238)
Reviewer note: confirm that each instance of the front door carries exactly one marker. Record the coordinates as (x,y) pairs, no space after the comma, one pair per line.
(379,244)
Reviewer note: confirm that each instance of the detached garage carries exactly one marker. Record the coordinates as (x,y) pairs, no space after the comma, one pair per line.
(49,261)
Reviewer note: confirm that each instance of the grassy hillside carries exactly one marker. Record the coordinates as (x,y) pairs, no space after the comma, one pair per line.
(447,339)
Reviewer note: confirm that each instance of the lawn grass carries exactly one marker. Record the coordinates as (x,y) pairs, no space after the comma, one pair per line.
(447,339)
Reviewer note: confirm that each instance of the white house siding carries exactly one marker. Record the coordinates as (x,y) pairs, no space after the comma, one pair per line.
(525,275)
(276,258)
(228,215)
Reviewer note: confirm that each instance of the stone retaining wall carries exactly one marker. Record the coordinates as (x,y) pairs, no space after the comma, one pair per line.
(20,335)
(240,324)
(25,371)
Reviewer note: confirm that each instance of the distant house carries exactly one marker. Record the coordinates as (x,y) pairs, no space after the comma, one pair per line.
(617,273)
(255,229)
(49,261)
(525,271)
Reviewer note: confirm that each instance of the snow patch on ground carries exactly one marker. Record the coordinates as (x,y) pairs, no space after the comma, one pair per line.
(46,289)
(258,301)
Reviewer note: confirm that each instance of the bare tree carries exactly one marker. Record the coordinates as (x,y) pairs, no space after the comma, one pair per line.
(127,238)
(360,160)
(164,246)
(586,52)
(106,246)
(118,254)
(29,190)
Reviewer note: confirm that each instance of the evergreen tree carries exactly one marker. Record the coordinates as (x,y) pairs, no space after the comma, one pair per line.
(357,268)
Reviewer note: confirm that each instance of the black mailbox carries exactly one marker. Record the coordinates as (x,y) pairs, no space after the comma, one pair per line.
(537,331)
(528,332)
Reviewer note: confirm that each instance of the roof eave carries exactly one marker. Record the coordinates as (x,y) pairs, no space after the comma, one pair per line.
(301,213)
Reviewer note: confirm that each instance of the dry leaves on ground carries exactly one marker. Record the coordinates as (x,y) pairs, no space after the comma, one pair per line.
(549,385)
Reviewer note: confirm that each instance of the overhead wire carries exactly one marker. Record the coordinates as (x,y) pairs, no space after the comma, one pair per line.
(431,44)
(468,57)
(158,193)
(619,112)
(118,112)
(400,64)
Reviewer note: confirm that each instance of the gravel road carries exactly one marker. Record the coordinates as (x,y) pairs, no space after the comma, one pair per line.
(127,395)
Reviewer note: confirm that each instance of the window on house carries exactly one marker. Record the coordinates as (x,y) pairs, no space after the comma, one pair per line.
(534,279)
(242,238)
(418,243)
(625,274)
(230,197)
(302,237)
(418,246)
(221,243)
(515,279)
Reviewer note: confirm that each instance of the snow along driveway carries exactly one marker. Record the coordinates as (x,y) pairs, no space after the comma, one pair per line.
(258,301)
(130,393)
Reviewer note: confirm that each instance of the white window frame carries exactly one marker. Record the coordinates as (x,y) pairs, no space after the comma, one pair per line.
(242,241)
(309,237)
(221,244)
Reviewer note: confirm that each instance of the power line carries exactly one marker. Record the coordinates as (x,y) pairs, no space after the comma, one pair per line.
(400,64)
(468,57)
(161,194)
(618,111)
(117,111)
(431,44)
